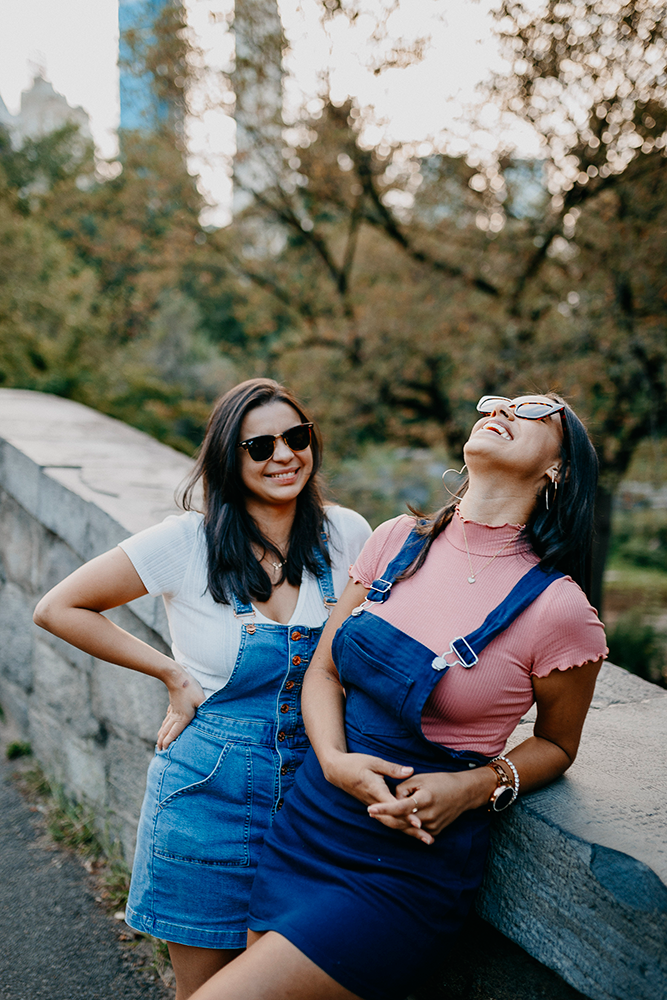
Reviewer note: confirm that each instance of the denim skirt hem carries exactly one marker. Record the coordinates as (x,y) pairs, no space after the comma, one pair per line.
(183,934)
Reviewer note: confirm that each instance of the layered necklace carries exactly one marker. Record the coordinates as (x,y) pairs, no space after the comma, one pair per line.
(473,576)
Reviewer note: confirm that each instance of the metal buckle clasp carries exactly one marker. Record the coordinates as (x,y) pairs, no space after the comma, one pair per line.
(463,652)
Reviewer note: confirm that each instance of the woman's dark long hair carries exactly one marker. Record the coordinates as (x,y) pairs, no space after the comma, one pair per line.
(230,531)
(562,534)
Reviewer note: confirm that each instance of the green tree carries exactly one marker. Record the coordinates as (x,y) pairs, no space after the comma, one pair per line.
(402,287)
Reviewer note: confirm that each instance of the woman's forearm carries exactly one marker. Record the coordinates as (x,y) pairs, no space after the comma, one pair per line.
(73,610)
(323,697)
(93,633)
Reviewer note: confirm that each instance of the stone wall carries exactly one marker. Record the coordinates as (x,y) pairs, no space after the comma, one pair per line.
(578,871)
(73,483)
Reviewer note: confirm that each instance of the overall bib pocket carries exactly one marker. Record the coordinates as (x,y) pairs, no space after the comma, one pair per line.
(376,693)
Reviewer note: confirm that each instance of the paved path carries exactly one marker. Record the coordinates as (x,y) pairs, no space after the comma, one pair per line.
(57,943)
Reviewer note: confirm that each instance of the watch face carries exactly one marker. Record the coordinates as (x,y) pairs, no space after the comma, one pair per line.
(502,799)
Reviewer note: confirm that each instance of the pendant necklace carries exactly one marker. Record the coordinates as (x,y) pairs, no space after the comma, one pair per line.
(472,578)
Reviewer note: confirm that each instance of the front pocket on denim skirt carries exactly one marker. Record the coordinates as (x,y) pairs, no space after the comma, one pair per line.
(206,821)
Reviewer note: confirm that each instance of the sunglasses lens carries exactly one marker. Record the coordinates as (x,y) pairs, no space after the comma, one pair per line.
(297,438)
(533,410)
(260,448)
(488,404)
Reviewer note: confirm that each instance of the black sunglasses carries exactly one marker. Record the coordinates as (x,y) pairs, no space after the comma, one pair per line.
(262,448)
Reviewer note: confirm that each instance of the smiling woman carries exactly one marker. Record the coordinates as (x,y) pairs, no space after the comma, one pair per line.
(248,582)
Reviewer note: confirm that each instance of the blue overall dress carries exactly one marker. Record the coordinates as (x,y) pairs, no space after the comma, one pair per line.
(212,794)
(371,906)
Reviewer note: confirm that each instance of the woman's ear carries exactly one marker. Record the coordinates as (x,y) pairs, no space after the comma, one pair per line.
(553,473)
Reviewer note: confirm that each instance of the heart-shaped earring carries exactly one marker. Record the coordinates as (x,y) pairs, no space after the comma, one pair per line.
(458,475)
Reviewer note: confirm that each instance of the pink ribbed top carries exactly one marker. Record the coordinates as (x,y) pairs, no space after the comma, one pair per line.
(477,709)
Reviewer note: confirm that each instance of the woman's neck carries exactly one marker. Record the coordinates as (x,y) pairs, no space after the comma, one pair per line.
(274,521)
(496,502)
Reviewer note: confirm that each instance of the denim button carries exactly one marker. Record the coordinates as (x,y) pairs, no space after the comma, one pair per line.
(284,769)
(279,804)
(296,660)
(284,708)
(289,685)
(296,636)
(281,737)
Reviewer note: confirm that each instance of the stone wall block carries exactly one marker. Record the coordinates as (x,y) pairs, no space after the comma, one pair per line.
(56,561)
(64,691)
(86,777)
(16,636)
(125,700)
(542,888)
(65,512)
(21,536)
(20,477)
(14,704)
(76,763)
(127,760)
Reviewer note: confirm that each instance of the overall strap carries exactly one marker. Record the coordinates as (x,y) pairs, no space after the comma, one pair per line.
(467,648)
(324,577)
(411,548)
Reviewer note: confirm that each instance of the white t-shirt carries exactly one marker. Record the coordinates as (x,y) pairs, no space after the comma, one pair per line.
(171,559)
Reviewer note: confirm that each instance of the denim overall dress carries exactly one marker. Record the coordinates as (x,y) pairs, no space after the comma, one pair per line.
(371,906)
(212,794)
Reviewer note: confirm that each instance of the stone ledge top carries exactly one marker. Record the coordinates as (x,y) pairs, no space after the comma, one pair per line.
(614,795)
(121,470)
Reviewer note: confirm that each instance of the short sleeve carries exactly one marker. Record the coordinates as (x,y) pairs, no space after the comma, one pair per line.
(570,631)
(380,549)
(161,554)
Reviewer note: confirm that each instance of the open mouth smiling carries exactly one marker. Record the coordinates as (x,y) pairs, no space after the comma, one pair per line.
(495,425)
(285,474)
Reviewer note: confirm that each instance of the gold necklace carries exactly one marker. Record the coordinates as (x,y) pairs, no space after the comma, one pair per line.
(472,578)
(276,565)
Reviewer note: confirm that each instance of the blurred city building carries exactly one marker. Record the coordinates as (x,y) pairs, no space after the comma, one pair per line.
(43,110)
(257,85)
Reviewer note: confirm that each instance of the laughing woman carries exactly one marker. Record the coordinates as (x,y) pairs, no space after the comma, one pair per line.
(450,628)
(247,585)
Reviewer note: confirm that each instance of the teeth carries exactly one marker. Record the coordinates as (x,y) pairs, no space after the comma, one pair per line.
(282,475)
(498,428)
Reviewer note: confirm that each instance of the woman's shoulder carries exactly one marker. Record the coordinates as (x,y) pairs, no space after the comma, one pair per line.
(344,520)
(566,596)
(395,530)
(176,532)
(162,553)
(569,628)
(385,542)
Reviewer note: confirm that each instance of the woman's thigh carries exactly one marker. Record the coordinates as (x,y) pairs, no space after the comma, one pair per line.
(272,969)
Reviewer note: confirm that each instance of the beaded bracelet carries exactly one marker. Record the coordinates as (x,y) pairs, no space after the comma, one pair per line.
(514,771)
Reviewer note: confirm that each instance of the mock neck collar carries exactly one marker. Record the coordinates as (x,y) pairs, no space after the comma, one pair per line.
(486,539)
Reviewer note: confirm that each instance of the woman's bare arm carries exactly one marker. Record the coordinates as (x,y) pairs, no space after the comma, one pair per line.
(73,610)
(323,707)
(563,699)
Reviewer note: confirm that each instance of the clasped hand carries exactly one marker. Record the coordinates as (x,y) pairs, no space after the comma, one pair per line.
(421,805)
(185,695)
